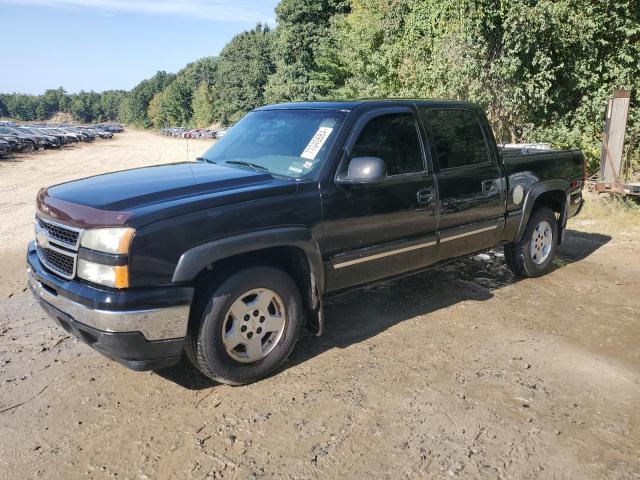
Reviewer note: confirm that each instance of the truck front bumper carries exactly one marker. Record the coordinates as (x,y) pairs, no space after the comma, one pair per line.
(143,329)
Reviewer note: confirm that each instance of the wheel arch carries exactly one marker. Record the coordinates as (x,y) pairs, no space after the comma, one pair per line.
(293,249)
(552,194)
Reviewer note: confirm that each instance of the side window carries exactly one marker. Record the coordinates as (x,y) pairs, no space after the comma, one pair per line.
(394,139)
(457,138)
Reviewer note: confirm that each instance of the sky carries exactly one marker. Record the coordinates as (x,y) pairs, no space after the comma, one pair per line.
(113,44)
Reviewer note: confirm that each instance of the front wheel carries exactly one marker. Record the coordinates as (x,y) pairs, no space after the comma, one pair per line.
(533,254)
(30,147)
(248,327)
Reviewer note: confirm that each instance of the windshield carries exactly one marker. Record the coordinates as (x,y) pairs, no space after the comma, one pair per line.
(291,143)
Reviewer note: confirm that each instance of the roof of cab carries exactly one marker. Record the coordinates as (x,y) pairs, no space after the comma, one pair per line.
(352,104)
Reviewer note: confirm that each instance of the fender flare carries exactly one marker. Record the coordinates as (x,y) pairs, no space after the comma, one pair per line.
(196,259)
(532,196)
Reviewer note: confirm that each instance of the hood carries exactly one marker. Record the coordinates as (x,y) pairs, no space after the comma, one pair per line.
(129,190)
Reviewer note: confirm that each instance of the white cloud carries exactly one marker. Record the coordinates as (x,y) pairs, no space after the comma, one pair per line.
(219,10)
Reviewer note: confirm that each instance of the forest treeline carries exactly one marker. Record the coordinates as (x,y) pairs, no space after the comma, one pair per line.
(542,69)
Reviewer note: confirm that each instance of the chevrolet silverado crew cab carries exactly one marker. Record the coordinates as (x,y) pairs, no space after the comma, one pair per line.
(225,259)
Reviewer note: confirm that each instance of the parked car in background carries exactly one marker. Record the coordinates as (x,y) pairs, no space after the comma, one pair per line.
(45,131)
(27,138)
(48,140)
(209,134)
(5,148)
(110,127)
(173,131)
(189,132)
(85,136)
(65,137)
(97,133)
(104,133)
(30,142)
(16,144)
(204,133)
(81,137)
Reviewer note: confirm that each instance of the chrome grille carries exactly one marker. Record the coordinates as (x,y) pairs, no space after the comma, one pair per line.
(60,262)
(63,235)
(57,247)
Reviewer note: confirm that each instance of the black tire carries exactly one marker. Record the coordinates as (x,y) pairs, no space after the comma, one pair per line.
(518,254)
(204,344)
(30,147)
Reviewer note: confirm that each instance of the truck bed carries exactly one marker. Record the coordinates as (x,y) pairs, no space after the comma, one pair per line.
(543,165)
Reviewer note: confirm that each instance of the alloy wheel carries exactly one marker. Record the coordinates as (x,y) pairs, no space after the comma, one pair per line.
(254,325)
(541,242)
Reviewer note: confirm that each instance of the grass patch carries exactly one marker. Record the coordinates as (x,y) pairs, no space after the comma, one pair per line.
(610,214)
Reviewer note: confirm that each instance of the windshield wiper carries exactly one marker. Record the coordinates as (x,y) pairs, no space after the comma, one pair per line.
(254,166)
(204,159)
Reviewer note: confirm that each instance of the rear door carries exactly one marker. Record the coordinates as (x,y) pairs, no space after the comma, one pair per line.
(379,230)
(470,181)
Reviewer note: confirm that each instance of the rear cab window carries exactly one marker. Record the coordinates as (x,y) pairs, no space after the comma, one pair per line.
(456,138)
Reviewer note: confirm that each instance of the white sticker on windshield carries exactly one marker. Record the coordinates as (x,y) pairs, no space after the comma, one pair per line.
(316,143)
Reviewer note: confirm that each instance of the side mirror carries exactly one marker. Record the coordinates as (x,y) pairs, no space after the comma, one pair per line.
(364,170)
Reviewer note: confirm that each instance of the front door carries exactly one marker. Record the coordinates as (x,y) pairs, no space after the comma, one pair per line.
(470,182)
(379,230)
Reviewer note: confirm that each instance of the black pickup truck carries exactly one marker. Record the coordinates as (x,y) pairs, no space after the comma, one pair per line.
(225,259)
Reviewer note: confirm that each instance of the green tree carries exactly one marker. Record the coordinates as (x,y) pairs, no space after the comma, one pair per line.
(110,101)
(50,102)
(135,105)
(175,106)
(21,107)
(303,26)
(176,101)
(82,107)
(542,69)
(202,106)
(155,112)
(201,71)
(244,67)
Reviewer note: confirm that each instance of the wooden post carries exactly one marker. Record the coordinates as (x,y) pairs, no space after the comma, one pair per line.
(615,128)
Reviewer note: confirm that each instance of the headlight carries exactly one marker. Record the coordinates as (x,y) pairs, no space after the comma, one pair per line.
(108,240)
(109,275)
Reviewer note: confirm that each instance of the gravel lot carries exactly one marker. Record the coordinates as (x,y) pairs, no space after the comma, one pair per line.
(461,372)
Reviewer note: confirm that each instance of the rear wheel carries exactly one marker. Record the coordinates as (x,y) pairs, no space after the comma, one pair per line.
(533,255)
(248,327)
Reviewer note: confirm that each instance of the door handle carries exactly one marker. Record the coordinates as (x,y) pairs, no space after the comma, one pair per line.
(489,186)
(425,196)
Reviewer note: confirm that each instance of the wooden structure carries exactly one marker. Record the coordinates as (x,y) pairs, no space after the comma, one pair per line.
(613,139)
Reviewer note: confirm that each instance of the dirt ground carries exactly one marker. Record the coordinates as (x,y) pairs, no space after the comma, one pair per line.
(462,372)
